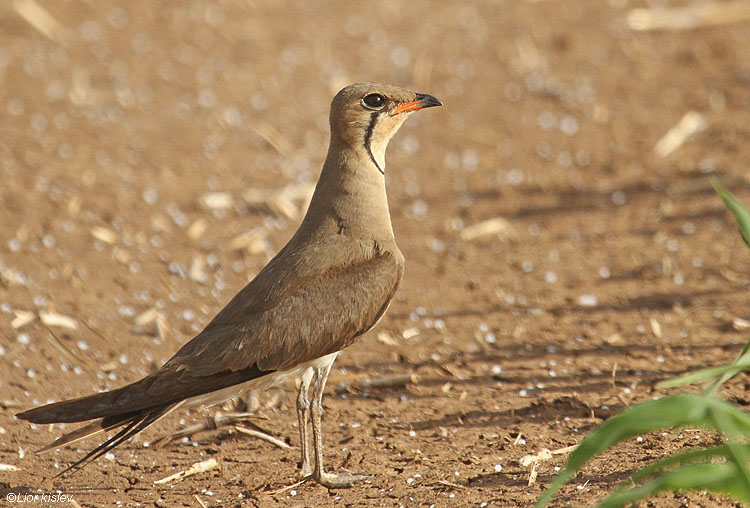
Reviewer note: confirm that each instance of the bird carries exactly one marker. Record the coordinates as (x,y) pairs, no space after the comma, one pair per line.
(331,283)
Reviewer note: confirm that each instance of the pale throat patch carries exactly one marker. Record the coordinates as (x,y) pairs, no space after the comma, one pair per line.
(376,141)
(378,153)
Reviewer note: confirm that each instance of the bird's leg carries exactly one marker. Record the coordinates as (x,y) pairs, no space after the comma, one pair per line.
(330,480)
(303,416)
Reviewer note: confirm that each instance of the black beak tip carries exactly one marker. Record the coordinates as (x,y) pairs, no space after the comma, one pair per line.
(428,101)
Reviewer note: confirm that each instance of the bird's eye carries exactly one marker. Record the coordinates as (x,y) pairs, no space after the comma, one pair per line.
(373,101)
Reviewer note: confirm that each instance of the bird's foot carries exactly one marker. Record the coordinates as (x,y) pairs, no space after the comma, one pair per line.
(340,480)
(305,472)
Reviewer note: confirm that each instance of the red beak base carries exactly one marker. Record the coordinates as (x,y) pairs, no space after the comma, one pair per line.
(423,100)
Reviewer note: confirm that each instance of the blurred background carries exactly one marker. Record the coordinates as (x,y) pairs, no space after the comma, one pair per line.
(564,247)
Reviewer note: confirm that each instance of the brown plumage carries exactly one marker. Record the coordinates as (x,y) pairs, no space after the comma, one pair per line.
(330,284)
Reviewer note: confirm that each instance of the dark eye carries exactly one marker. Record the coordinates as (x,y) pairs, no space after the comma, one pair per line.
(374,101)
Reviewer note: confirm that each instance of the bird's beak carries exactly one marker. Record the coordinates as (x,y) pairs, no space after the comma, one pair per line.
(423,100)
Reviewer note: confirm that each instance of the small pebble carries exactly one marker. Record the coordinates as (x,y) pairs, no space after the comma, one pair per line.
(587,300)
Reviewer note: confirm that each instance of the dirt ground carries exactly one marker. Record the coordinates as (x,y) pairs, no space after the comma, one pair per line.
(153,155)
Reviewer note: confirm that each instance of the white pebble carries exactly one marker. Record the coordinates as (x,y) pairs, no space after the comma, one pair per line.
(569,125)
(150,196)
(419,208)
(126,310)
(515,176)
(437,245)
(587,300)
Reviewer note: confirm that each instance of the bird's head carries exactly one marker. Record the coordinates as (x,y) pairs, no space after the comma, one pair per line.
(365,116)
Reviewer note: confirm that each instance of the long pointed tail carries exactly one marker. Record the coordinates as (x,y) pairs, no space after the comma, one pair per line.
(98,405)
(132,423)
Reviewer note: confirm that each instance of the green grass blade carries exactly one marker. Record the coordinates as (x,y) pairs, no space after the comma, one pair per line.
(722,372)
(725,479)
(725,424)
(690,457)
(674,411)
(705,375)
(734,205)
(701,376)
(745,349)
(743,358)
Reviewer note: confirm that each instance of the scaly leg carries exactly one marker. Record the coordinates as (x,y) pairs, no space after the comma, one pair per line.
(303,416)
(330,480)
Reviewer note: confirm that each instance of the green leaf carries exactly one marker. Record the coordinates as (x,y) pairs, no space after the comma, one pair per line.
(734,205)
(731,477)
(693,456)
(742,359)
(725,479)
(674,411)
(703,375)
(722,372)
(727,426)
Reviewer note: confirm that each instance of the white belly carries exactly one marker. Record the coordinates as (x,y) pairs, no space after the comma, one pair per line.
(261,383)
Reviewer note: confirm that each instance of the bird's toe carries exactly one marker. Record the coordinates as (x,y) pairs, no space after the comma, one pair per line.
(341,480)
(305,473)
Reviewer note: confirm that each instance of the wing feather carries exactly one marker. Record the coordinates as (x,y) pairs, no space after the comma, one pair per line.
(310,318)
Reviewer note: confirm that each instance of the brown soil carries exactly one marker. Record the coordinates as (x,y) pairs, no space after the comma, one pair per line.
(620,266)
